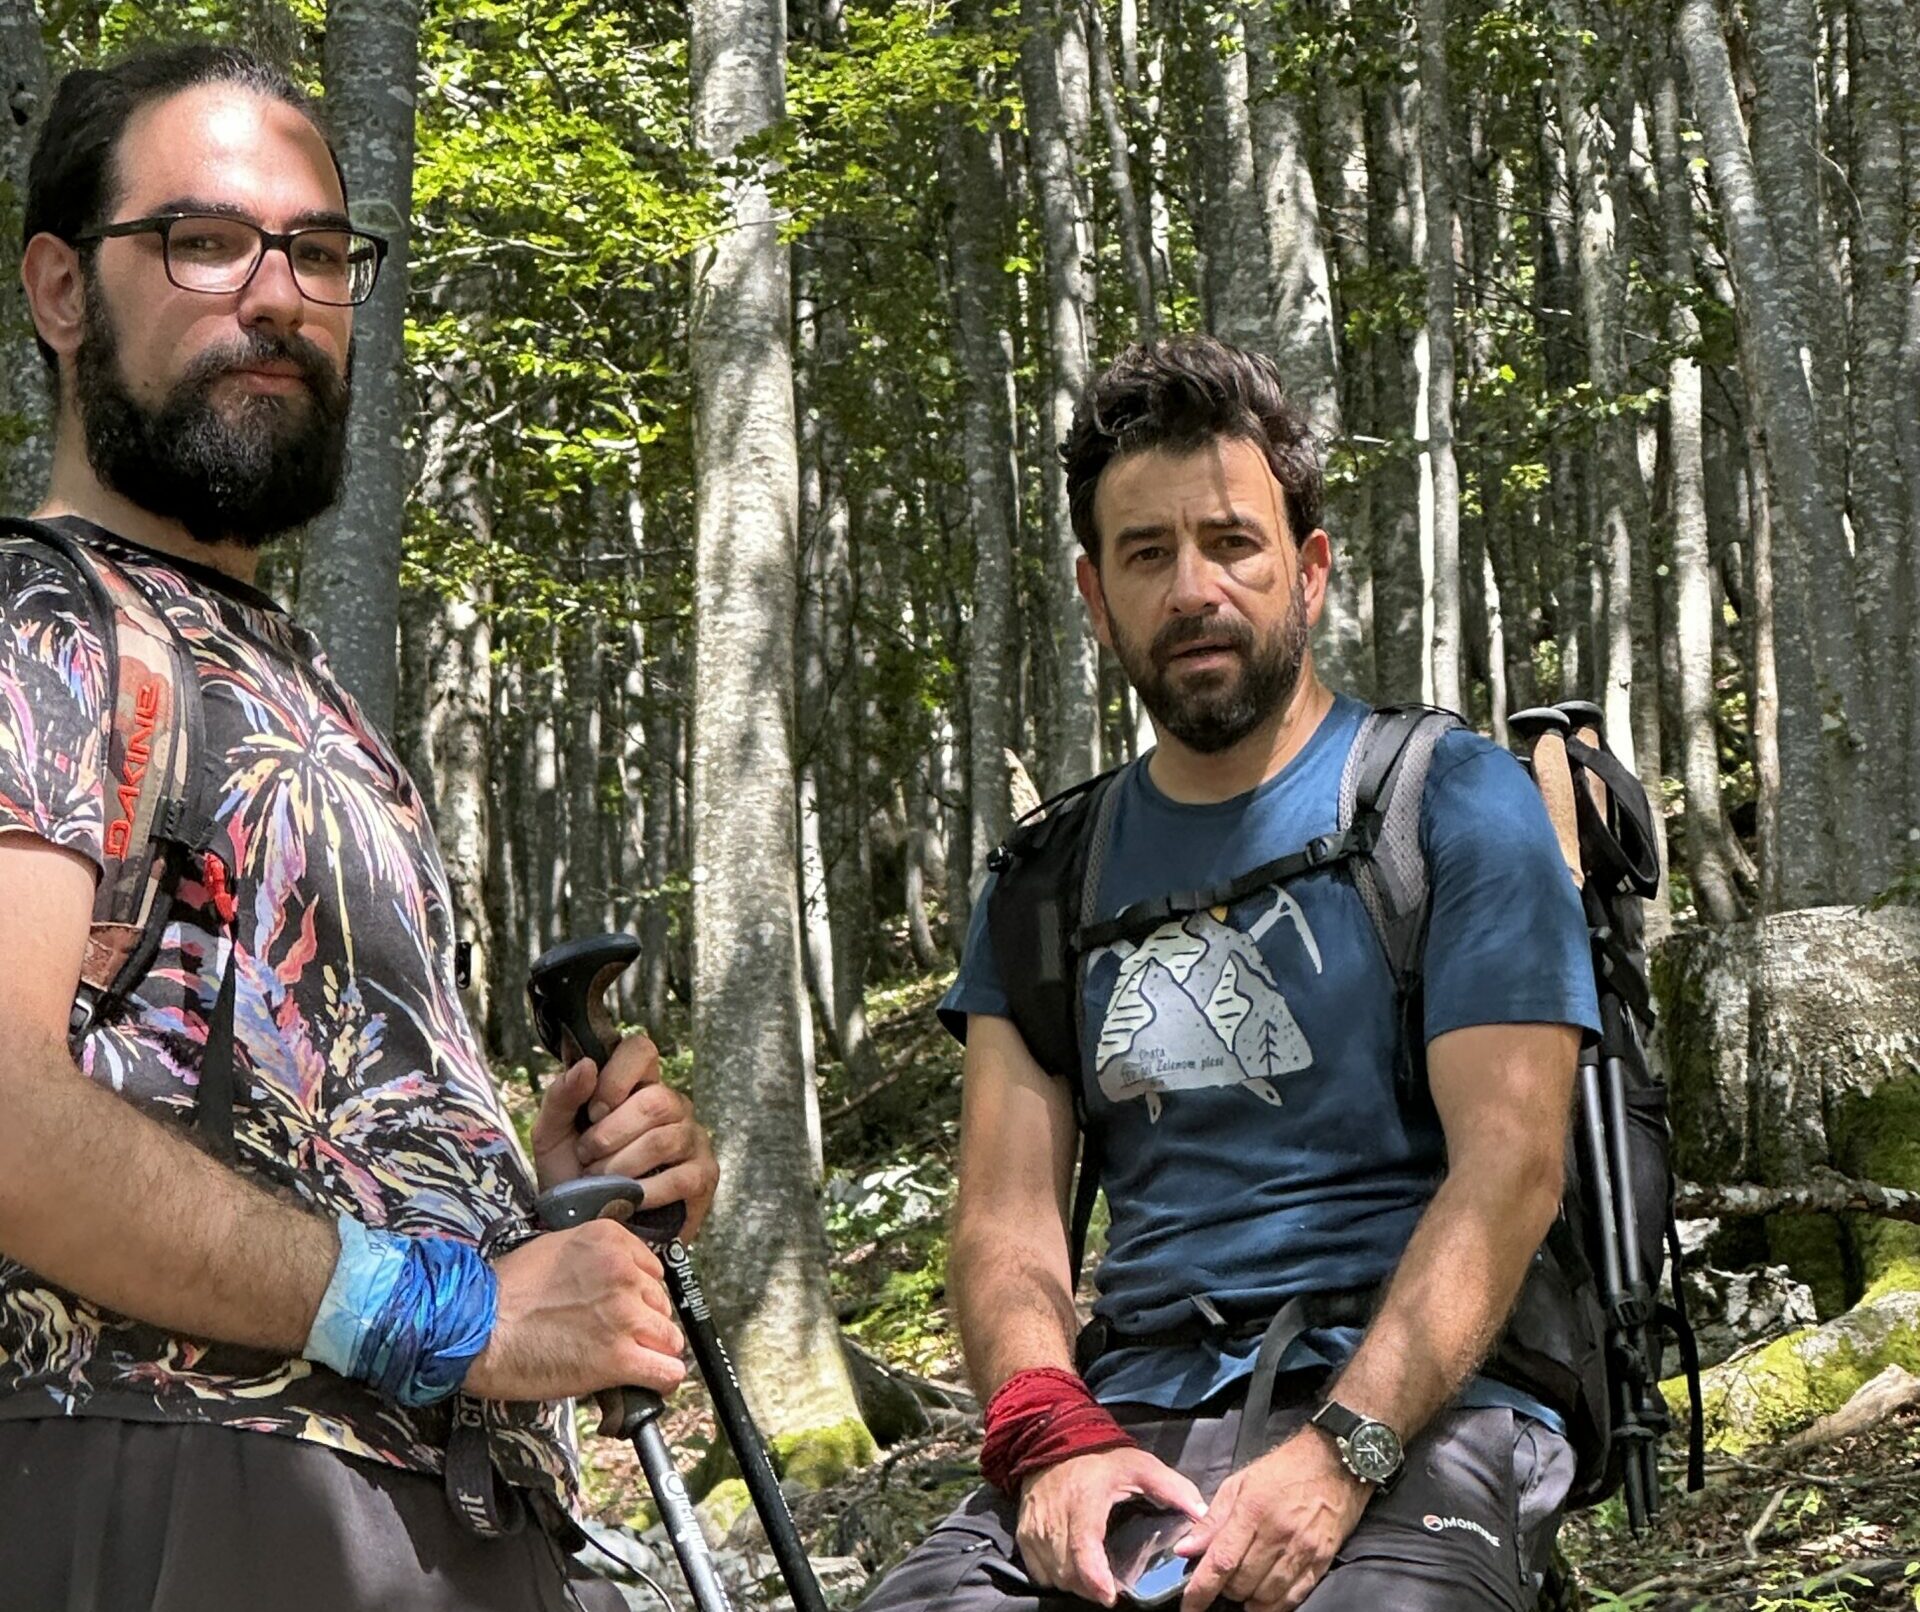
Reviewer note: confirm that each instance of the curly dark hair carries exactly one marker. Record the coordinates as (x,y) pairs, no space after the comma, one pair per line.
(73,183)
(1180,393)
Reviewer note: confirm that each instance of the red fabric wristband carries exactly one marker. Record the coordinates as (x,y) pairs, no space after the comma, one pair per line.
(1038,1419)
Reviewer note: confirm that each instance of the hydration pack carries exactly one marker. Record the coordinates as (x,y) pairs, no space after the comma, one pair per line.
(1587,1333)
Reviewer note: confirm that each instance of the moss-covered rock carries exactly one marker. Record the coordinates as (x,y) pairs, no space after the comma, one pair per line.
(1760,1397)
(1794,1042)
(823,1455)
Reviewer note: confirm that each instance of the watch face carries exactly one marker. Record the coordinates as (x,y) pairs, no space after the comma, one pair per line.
(1373,1451)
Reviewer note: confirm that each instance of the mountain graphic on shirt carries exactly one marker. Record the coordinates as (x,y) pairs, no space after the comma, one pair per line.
(1195,1006)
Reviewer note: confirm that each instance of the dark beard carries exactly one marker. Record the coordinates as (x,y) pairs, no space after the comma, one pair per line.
(1214,712)
(241,474)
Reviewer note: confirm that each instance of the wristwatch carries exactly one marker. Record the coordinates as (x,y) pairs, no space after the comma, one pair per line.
(1370,1450)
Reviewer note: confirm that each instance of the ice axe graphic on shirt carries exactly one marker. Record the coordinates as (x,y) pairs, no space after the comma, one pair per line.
(1195,1006)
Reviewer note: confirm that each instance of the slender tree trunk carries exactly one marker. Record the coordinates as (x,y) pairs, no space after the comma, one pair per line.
(26,412)
(1436,168)
(350,574)
(983,350)
(1813,636)
(1882,395)
(1399,584)
(766,1245)
(1229,231)
(1304,333)
(1135,245)
(1053,72)
(1710,859)
(548,802)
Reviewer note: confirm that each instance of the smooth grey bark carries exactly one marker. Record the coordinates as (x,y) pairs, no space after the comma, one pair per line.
(1053,62)
(588,886)
(1813,638)
(26,411)
(1909,439)
(509,1028)
(924,872)
(1444,649)
(1709,843)
(1399,583)
(1053,75)
(548,802)
(983,353)
(1229,230)
(767,1253)
(350,574)
(1305,333)
(1136,247)
(653,649)
(1881,394)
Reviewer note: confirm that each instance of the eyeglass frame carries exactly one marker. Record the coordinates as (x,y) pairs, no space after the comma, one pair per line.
(161,224)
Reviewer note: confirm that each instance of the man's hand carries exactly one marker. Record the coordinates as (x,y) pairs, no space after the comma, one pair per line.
(1271,1532)
(580,1310)
(640,1128)
(1064,1513)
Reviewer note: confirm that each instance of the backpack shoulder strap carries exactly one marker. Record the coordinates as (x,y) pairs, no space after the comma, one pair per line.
(1383,785)
(153,812)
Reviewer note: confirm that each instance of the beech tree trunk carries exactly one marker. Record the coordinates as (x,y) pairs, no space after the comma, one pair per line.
(1813,648)
(1229,230)
(26,411)
(1053,70)
(767,1256)
(1710,855)
(350,573)
(1436,166)
(983,351)
(1136,247)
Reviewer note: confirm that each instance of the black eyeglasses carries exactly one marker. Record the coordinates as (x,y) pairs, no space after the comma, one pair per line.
(218,255)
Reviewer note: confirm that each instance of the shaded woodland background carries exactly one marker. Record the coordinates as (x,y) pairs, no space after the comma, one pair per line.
(706,551)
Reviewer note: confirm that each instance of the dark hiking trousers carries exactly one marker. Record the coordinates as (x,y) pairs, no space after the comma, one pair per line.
(1469,1526)
(110,1516)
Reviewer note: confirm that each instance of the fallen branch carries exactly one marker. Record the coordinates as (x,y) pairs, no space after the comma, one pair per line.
(1828,1193)
(1751,1540)
(1894,1390)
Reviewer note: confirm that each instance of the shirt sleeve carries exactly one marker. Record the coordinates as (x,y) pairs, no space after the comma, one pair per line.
(976,988)
(53,692)
(1507,939)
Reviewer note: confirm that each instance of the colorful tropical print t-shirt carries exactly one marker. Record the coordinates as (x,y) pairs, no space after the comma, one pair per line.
(359,1085)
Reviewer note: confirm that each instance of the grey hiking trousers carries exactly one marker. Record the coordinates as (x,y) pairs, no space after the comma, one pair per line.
(99,1515)
(1468,1528)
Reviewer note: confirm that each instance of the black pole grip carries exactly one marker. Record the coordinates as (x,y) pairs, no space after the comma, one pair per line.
(567,988)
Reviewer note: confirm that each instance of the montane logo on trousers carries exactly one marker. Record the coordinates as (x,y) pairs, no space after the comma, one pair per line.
(1440,1525)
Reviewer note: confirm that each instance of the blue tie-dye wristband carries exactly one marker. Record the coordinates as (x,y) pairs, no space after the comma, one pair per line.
(407,1315)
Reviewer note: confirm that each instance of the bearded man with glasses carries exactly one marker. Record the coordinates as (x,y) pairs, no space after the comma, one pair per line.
(228,1375)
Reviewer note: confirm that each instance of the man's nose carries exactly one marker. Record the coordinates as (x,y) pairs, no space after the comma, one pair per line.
(272,296)
(1196,580)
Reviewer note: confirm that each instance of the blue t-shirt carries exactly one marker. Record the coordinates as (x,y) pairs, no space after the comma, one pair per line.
(1240,1065)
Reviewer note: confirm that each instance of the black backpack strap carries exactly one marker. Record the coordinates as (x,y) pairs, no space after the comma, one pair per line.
(1086,1187)
(156,819)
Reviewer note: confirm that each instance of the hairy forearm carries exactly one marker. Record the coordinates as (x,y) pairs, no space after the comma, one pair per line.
(131,1215)
(1008,1287)
(1451,1293)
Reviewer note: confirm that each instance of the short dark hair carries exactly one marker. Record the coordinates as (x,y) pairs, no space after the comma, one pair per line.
(71,182)
(1180,393)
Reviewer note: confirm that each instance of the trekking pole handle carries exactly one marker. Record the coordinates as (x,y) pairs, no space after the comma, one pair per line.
(567,988)
(624,1412)
(1545,732)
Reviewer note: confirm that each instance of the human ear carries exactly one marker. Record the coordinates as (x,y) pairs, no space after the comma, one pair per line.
(1087,576)
(56,292)
(1315,559)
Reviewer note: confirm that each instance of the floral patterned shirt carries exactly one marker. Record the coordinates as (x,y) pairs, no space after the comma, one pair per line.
(359,1083)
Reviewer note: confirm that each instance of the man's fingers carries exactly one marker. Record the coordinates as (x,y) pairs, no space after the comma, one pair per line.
(1090,1565)
(647,1108)
(1174,1490)
(1220,1563)
(634,1062)
(553,1125)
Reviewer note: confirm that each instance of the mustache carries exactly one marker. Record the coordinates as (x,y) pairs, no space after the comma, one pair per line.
(1184,631)
(263,347)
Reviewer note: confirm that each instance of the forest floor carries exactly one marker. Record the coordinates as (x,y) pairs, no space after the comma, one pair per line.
(1832,1530)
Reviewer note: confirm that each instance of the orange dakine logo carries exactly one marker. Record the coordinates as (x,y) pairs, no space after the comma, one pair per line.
(133,768)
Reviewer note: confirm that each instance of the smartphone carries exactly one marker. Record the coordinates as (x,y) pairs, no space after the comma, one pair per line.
(1140,1552)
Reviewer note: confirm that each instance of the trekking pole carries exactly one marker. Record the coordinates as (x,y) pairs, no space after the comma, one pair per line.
(1545,729)
(634,1413)
(567,987)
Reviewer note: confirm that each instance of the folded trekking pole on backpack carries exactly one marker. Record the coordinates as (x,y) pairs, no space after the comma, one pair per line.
(1620,1178)
(567,988)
